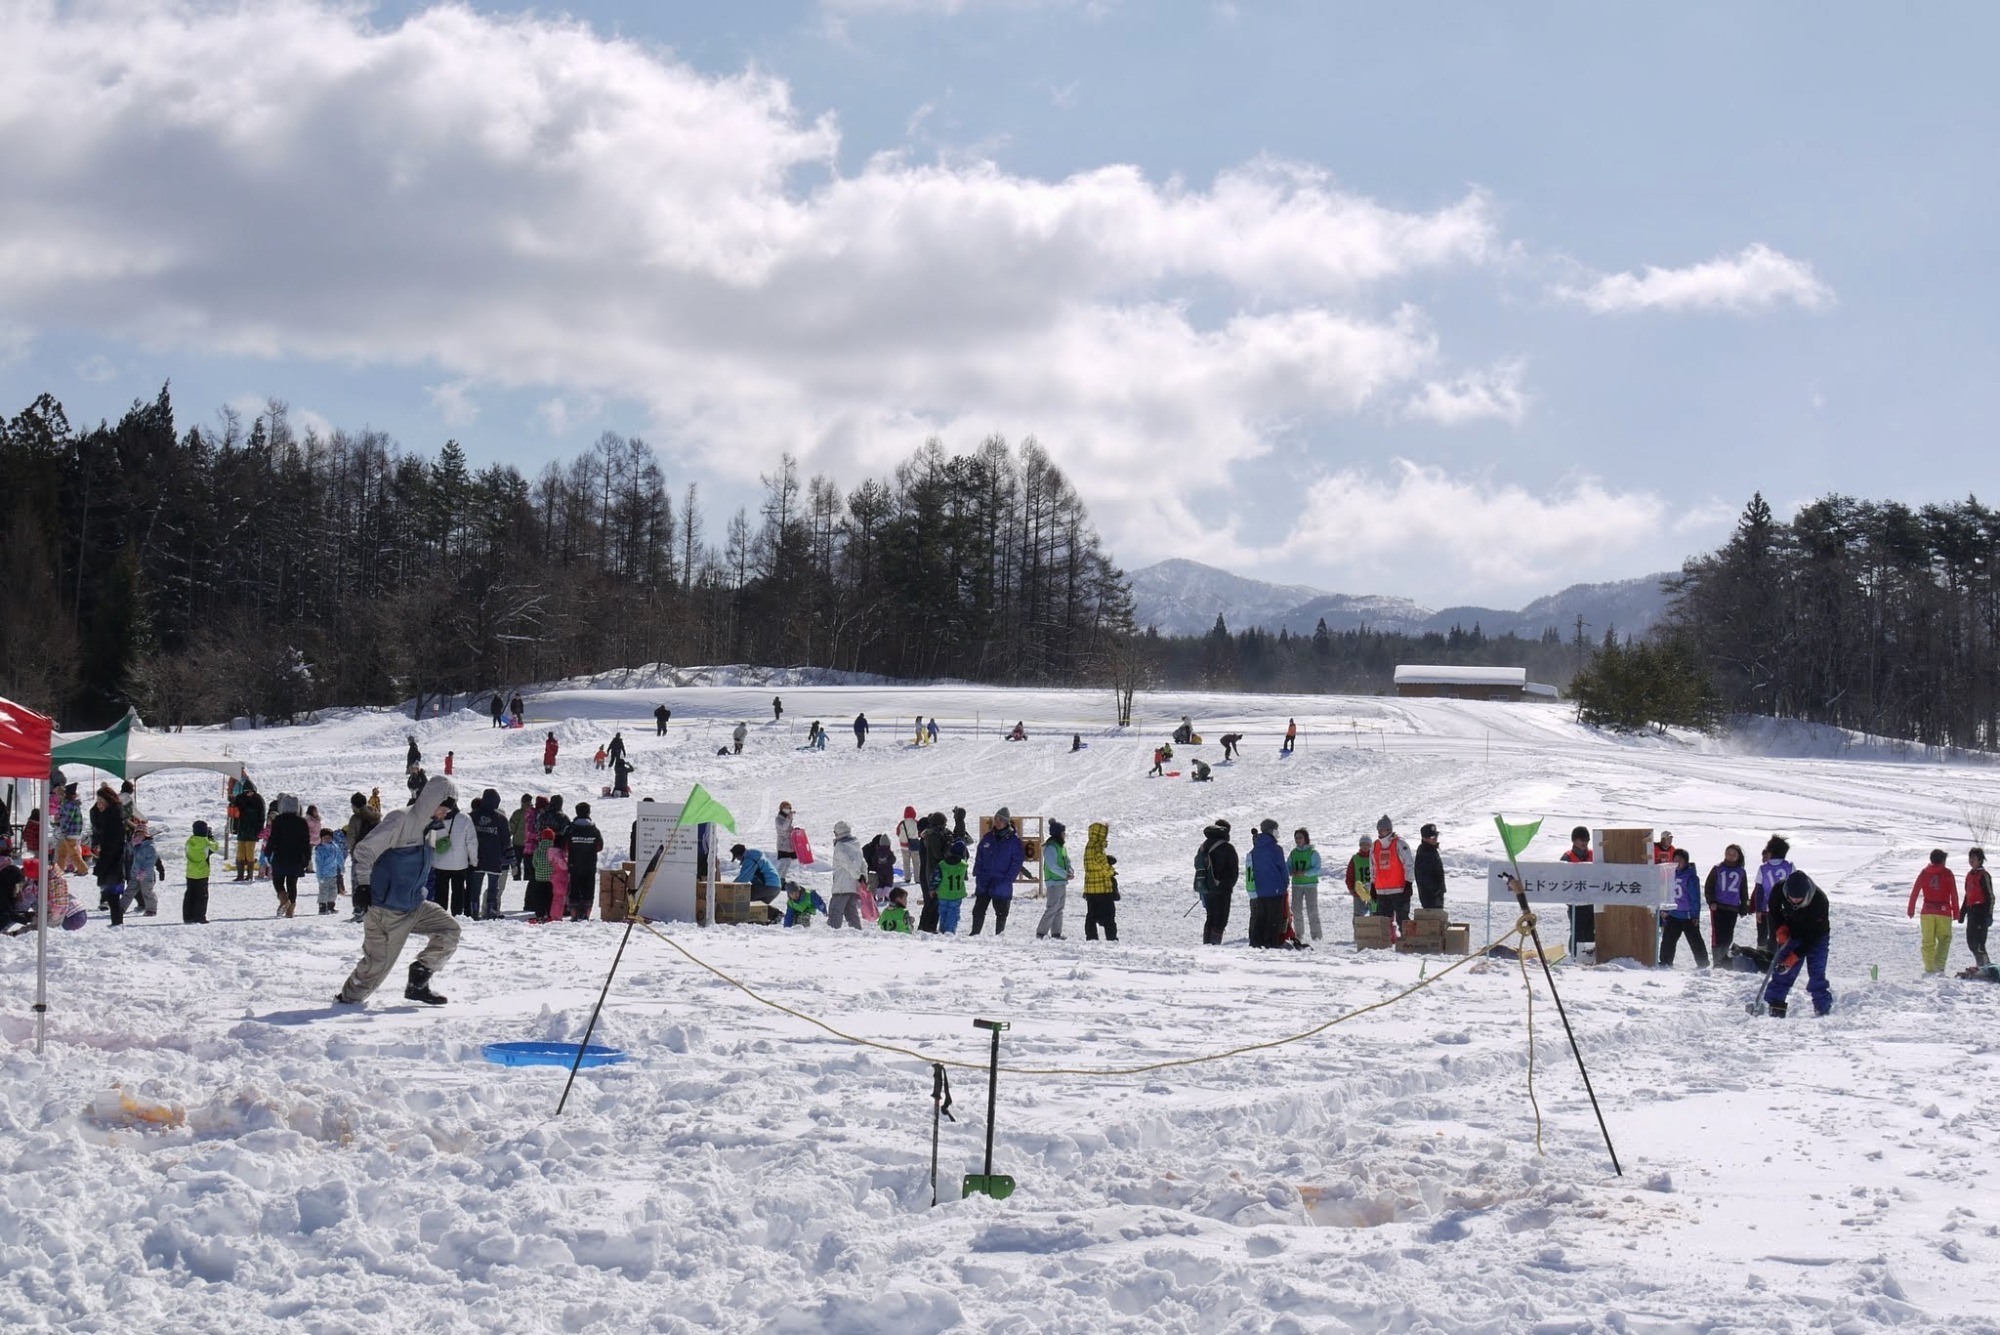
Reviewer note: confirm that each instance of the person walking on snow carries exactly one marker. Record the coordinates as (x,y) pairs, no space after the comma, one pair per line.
(499,711)
(777,710)
(995,867)
(860,731)
(518,709)
(1938,889)
(328,858)
(1100,885)
(1391,868)
(291,853)
(843,901)
(1728,893)
(660,716)
(1305,869)
(1055,881)
(495,839)
(1975,910)
(1684,918)
(1429,869)
(1291,738)
(616,751)
(1801,927)
(785,843)
(738,736)
(454,848)
(413,757)
(549,749)
(931,731)
(395,861)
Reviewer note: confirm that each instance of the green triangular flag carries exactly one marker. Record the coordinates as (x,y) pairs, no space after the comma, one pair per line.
(1514,838)
(701,809)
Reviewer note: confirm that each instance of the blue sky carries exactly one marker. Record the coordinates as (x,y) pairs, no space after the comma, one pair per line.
(1456,301)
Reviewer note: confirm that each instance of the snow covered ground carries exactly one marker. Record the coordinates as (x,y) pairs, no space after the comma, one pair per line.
(342,1171)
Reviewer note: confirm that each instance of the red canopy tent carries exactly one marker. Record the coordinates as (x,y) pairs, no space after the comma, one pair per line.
(26,740)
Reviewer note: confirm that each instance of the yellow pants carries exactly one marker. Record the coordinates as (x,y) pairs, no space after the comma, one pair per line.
(1937,941)
(246,855)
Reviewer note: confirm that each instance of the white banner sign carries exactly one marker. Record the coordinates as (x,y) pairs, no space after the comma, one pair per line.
(1641,885)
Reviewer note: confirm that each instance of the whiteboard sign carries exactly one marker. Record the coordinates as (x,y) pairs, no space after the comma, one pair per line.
(1642,885)
(690,853)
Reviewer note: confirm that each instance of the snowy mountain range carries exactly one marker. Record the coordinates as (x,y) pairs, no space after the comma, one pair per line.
(1182,597)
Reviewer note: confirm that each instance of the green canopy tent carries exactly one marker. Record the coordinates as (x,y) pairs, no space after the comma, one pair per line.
(131,752)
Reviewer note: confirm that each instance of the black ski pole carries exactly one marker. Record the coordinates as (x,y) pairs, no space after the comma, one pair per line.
(595,1011)
(940,1108)
(1534,931)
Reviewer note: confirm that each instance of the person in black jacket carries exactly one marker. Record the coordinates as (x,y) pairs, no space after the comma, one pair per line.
(880,857)
(248,828)
(660,716)
(413,755)
(1218,859)
(496,850)
(937,842)
(585,842)
(1430,870)
(1803,929)
(107,840)
(291,853)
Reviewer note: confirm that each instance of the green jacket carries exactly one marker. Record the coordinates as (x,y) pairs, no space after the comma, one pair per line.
(951,881)
(200,848)
(896,920)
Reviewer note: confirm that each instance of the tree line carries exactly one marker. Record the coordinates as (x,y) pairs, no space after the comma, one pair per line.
(214,572)
(1348,662)
(1871,615)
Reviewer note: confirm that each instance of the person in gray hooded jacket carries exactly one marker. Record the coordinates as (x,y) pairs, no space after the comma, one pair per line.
(395,862)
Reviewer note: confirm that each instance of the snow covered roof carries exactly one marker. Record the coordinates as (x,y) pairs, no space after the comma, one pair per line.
(1542,690)
(1421,674)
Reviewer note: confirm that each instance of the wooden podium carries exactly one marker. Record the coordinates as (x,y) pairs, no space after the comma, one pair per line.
(1627,933)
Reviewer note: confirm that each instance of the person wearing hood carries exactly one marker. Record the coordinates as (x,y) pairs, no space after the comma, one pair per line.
(518,828)
(910,840)
(413,757)
(936,843)
(1055,881)
(860,731)
(1216,865)
(395,860)
(495,839)
(328,858)
(290,848)
(1802,928)
(1100,885)
(549,749)
(995,868)
(738,736)
(147,869)
(454,848)
(200,850)
(246,816)
(1272,877)
(843,901)
(585,844)
(958,830)
(363,818)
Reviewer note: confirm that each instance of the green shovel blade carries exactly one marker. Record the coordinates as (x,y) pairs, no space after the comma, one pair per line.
(997,1185)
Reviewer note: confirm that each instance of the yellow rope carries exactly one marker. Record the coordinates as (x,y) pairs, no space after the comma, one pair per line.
(1414,988)
(1523,930)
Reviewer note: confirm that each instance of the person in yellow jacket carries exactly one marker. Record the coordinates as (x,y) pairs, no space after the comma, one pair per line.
(1100,885)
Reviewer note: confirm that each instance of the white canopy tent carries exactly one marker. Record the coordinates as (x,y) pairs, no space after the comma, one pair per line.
(149,752)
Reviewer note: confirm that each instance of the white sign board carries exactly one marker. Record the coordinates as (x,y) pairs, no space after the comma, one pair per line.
(1644,885)
(690,852)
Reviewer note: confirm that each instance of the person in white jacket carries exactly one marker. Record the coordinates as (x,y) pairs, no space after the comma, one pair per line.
(454,850)
(910,838)
(843,901)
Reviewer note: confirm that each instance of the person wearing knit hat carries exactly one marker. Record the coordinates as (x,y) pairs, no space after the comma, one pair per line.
(850,872)
(1429,869)
(1270,880)
(995,867)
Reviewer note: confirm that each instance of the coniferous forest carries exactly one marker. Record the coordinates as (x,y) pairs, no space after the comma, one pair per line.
(202,574)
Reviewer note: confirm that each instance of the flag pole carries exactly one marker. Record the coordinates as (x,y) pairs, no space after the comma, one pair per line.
(42,927)
(631,921)
(1520,890)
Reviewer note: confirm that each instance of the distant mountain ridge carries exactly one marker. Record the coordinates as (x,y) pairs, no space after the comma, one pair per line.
(1182,597)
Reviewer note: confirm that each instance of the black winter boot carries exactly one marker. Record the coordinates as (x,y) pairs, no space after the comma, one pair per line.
(420,987)
(1777,1010)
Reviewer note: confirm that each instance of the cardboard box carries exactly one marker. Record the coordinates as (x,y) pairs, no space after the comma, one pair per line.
(1373,933)
(765,913)
(1430,915)
(614,894)
(1458,938)
(732,903)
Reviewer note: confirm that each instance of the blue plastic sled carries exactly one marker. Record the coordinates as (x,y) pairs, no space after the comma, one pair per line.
(550,1054)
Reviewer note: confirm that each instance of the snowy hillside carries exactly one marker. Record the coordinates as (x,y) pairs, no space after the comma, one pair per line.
(1183,597)
(366,1171)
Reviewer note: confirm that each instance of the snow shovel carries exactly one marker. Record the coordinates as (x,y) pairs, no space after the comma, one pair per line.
(989,1183)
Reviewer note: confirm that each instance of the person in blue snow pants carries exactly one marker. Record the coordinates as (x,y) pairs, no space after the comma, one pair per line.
(1802,931)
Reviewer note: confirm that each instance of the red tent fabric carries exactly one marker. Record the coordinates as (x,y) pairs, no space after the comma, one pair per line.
(26,738)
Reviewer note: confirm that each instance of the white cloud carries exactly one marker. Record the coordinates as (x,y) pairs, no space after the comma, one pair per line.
(1477,396)
(1491,535)
(1754,279)
(453,402)
(519,202)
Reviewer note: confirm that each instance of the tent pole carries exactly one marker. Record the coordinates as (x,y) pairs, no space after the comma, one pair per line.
(42,929)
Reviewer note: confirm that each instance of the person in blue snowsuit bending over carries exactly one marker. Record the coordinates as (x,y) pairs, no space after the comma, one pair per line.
(755,870)
(1803,928)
